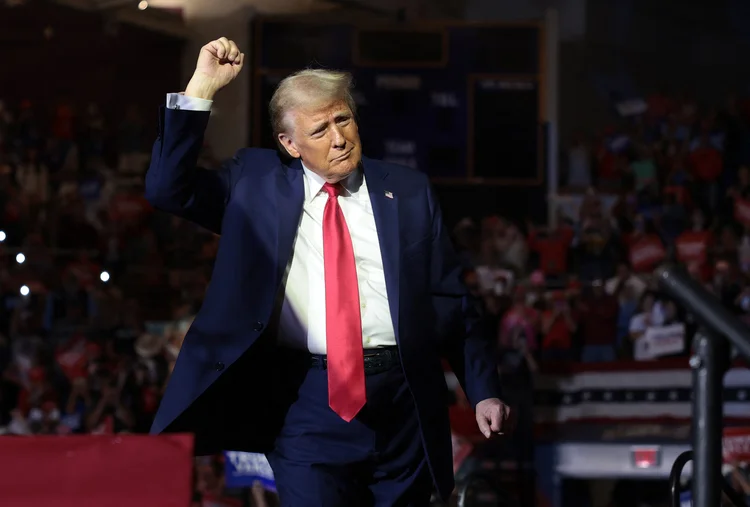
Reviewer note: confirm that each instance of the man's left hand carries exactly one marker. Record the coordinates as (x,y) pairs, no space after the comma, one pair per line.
(493,416)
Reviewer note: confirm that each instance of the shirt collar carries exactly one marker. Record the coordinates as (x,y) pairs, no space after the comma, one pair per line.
(352,184)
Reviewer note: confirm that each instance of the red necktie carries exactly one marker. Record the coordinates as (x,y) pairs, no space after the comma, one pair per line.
(346,364)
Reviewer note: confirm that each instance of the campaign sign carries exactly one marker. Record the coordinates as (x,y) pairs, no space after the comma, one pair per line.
(660,341)
(736,444)
(243,469)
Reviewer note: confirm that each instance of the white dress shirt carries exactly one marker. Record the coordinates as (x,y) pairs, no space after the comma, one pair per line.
(303,312)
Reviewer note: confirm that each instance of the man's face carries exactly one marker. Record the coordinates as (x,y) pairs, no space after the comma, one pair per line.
(325,138)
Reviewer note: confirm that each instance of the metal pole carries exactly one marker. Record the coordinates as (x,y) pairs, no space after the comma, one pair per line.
(709,362)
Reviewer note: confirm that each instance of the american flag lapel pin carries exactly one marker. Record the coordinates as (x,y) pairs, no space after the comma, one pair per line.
(388,194)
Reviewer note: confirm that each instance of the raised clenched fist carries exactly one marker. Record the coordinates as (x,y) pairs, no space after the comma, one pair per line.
(219,62)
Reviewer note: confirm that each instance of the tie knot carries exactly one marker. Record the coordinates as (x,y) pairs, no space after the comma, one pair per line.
(333,189)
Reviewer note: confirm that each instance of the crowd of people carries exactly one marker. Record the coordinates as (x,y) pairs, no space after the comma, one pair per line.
(670,183)
(97,290)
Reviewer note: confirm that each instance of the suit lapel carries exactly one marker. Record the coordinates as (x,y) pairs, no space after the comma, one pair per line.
(290,196)
(385,209)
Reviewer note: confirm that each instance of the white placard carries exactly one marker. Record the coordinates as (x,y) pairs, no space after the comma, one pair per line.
(660,341)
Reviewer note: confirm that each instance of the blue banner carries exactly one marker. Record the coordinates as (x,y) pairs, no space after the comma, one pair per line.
(243,469)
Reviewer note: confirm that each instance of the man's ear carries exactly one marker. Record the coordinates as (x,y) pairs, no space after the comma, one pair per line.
(286,142)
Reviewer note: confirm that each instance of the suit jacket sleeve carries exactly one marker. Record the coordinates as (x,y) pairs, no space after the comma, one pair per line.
(460,322)
(175,184)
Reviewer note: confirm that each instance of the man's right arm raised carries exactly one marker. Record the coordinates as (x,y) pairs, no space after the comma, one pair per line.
(174,183)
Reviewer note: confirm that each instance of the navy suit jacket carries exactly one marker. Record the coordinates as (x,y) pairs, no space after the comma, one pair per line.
(221,387)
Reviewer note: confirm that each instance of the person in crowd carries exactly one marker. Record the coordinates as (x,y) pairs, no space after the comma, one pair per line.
(643,169)
(628,299)
(707,165)
(109,413)
(598,324)
(726,284)
(596,243)
(694,247)
(521,319)
(559,323)
(466,239)
(579,163)
(655,313)
(674,216)
(625,278)
(551,246)
(650,314)
(502,245)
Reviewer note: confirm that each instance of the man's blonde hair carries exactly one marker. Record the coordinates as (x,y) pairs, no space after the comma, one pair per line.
(309,88)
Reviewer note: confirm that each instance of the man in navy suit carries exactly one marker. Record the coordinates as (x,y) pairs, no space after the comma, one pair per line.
(334,295)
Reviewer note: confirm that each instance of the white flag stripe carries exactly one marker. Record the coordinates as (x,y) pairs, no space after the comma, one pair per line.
(615,380)
(639,410)
(737,377)
(664,379)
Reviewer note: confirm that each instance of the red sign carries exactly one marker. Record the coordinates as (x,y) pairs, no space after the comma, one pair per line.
(692,246)
(646,457)
(72,357)
(646,253)
(736,444)
(116,471)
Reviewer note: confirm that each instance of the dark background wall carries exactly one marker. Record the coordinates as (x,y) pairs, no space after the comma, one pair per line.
(634,47)
(56,52)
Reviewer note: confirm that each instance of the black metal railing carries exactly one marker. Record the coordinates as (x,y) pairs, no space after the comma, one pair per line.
(674,482)
(709,361)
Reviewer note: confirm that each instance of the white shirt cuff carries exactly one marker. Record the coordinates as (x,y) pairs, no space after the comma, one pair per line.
(180,101)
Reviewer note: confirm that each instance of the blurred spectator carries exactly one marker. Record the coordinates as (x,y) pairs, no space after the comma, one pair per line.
(502,245)
(625,278)
(644,170)
(650,313)
(694,244)
(598,323)
(552,248)
(559,324)
(520,320)
(707,166)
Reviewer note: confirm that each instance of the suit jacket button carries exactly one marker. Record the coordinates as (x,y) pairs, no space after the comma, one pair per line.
(258,326)
(219,366)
